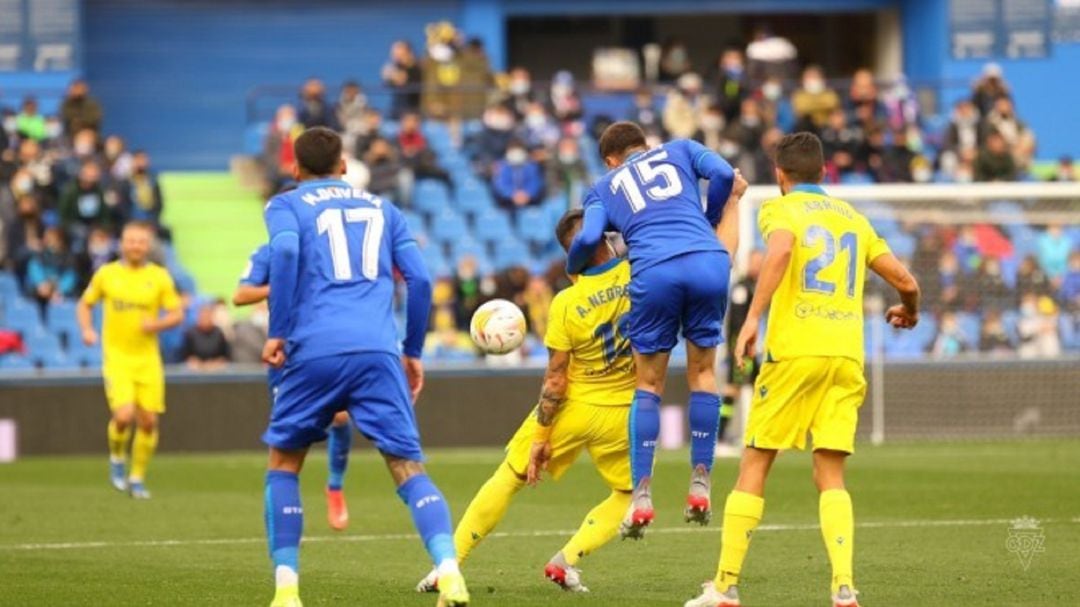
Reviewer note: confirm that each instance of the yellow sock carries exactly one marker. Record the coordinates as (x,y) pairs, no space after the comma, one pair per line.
(838,530)
(118,442)
(142,449)
(485,510)
(742,513)
(598,528)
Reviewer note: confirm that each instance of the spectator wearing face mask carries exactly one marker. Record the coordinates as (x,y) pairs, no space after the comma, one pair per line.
(314,109)
(41,170)
(83,206)
(538,128)
(490,144)
(118,161)
(28,122)
(140,194)
(566,172)
(1018,137)
(644,111)
(896,160)
(993,338)
(1030,278)
(100,249)
(674,60)
(80,110)
(1038,327)
(84,148)
(863,92)
(814,101)
(770,56)
(991,286)
(23,235)
(50,274)
(402,75)
(564,100)
(840,142)
(519,92)
(350,111)
(732,83)
(775,106)
(994,162)
(386,169)
(963,137)
(517,181)
(684,106)
(951,339)
(745,133)
(989,88)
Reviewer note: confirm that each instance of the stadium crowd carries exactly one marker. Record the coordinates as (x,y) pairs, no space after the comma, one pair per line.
(484,163)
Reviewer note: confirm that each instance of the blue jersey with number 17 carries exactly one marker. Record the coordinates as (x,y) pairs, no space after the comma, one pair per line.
(654,200)
(349,243)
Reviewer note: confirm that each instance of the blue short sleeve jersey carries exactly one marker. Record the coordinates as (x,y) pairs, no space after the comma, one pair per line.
(337,297)
(257,272)
(654,200)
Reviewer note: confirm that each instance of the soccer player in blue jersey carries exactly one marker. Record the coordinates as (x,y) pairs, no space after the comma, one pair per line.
(333,250)
(254,287)
(679,277)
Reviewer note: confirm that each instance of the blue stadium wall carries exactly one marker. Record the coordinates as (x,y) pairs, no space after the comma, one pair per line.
(175,74)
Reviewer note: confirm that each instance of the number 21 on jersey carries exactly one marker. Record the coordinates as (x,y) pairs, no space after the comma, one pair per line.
(649,170)
(337,224)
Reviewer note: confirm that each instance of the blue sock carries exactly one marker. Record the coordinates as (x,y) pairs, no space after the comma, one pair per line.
(337,449)
(644,430)
(431,516)
(284,518)
(704,424)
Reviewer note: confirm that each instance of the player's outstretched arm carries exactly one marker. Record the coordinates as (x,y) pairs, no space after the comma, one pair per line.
(889,268)
(591,233)
(707,164)
(171,318)
(727,231)
(552,397)
(246,295)
(773,268)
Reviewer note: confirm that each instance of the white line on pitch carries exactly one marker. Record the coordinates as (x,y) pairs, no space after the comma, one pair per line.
(498,534)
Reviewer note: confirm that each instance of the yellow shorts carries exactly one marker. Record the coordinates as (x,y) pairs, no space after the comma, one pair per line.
(601,430)
(819,395)
(140,385)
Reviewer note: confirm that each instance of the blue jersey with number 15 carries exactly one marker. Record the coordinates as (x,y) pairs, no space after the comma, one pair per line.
(349,244)
(654,200)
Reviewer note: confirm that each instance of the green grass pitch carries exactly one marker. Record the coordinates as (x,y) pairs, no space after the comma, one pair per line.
(933,528)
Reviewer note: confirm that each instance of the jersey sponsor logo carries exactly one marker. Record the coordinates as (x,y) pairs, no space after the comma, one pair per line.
(763,391)
(292,510)
(805,310)
(119,305)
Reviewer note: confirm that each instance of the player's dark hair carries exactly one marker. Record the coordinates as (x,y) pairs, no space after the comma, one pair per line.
(318,151)
(141,225)
(568,226)
(620,137)
(800,157)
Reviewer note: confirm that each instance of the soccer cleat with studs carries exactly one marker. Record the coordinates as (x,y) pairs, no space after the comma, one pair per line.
(711,597)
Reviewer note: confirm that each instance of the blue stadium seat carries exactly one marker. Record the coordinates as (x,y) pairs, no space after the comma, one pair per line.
(1070,332)
(474,196)
(57,360)
(902,244)
(970,325)
(448,226)
(492,226)
(25,320)
(466,246)
(9,285)
(416,222)
(534,225)
(86,356)
(59,313)
(430,196)
(15,362)
(511,252)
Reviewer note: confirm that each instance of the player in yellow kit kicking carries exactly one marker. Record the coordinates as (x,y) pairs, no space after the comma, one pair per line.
(584,406)
(140,301)
(817,252)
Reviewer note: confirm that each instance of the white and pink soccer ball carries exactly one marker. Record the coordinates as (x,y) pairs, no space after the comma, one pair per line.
(498,327)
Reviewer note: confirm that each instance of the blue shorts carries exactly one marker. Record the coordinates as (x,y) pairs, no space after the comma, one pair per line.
(690,291)
(371,386)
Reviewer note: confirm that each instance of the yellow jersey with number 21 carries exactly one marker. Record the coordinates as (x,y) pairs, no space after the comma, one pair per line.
(817,309)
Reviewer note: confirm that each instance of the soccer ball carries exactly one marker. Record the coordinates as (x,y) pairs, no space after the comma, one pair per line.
(498,327)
